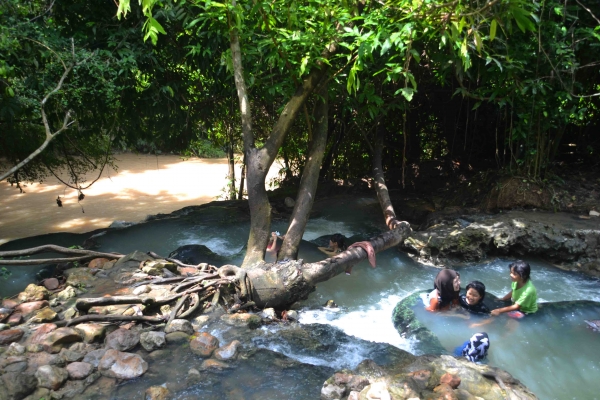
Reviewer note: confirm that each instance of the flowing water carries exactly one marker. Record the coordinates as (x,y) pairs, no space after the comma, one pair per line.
(552,352)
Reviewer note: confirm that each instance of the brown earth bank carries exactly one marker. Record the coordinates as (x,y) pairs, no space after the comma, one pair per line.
(143,185)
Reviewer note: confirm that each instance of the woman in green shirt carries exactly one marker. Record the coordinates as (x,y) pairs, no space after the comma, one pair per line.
(523,293)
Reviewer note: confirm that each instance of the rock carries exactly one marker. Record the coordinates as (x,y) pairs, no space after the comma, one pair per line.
(56,339)
(177,337)
(71,356)
(15,349)
(39,394)
(445,392)
(10,303)
(227,352)
(187,271)
(157,393)
(51,377)
(66,294)
(51,283)
(70,314)
(204,344)
(34,348)
(153,340)
(98,263)
(450,379)
(180,325)
(268,313)
(15,319)
(132,260)
(28,308)
(213,364)
(289,202)
(141,290)
(155,267)
(18,385)
(242,320)
(33,293)
(121,365)
(4,327)
(11,359)
(79,277)
(122,339)
(94,357)
(91,332)
(79,370)
(378,390)
(40,334)
(195,254)
(36,360)
(199,322)
(292,315)
(594,213)
(46,314)
(10,335)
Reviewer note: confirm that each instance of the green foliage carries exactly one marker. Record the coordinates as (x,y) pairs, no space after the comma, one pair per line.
(4,273)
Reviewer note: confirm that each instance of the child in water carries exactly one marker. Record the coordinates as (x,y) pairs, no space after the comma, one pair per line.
(472,300)
(336,245)
(446,291)
(523,293)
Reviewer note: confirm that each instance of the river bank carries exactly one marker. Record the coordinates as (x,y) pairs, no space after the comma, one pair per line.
(143,185)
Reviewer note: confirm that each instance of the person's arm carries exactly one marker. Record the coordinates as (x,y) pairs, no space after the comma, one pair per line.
(507,297)
(498,311)
(328,251)
(433,303)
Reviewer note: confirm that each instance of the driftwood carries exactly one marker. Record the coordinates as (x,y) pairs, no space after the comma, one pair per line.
(85,304)
(81,254)
(177,307)
(107,318)
(174,261)
(196,301)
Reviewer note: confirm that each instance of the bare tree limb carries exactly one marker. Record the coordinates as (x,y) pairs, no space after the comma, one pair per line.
(107,318)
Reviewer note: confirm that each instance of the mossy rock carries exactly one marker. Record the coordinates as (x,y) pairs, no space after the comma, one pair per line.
(408,326)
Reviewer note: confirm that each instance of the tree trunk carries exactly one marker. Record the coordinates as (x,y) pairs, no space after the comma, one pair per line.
(231,174)
(242,180)
(309,181)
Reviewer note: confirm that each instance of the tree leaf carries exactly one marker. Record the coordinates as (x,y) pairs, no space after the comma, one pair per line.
(493,27)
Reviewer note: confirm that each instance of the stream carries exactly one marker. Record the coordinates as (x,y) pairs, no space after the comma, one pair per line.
(552,353)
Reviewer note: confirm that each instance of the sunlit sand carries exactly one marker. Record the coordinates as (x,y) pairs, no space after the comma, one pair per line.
(143,185)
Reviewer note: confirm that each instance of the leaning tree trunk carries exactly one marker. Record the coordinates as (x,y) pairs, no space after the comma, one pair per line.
(308,182)
(283,284)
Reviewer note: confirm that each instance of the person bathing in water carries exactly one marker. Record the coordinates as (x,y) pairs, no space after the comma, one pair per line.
(336,245)
(523,293)
(273,247)
(472,300)
(445,294)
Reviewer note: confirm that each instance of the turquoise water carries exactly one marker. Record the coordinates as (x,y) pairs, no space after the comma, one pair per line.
(553,353)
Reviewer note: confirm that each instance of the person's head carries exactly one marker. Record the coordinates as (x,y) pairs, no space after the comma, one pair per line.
(519,271)
(336,241)
(475,293)
(447,283)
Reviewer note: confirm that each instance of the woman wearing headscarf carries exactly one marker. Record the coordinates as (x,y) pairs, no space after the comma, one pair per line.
(446,290)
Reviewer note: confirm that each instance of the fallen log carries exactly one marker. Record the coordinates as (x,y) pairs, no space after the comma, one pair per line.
(107,318)
(85,304)
(83,255)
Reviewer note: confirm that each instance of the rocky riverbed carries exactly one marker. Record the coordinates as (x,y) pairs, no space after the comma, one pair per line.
(48,350)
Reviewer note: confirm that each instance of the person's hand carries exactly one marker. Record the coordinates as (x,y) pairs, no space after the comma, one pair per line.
(495,312)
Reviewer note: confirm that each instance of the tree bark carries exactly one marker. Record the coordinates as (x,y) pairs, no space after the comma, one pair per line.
(380,187)
(231,175)
(308,182)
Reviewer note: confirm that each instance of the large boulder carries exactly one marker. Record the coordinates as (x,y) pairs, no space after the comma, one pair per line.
(27,309)
(568,242)
(122,339)
(116,364)
(195,254)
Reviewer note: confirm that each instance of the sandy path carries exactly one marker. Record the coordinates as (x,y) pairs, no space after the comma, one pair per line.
(143,185)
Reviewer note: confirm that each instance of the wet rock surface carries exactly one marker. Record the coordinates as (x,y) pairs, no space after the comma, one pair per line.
(562,239)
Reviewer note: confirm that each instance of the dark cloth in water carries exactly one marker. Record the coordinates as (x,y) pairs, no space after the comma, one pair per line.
(476,348)
(478,308)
